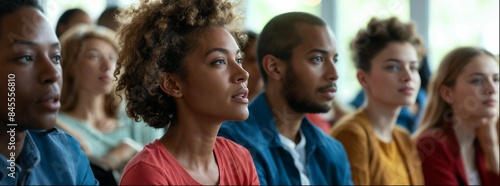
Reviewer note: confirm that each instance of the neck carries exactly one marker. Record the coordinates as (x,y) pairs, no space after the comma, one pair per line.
(383,118)
(11,140)
(89,109)
(465,130)
(287,120)
(191,140)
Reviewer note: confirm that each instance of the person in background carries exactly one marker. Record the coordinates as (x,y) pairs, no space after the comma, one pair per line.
(32,151)
(250,64)
(380,151)
(457,140)
(71,18)
(108,18)
(181,69)
(297,53)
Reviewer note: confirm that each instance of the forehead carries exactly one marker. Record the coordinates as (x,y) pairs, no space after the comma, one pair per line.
(26,24)
(481,64)
(206,40)
(315,36)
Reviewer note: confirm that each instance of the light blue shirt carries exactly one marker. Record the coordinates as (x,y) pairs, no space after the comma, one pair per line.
(49,157)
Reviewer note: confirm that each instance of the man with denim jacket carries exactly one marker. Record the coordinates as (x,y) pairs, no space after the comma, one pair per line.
(32,151)
(297,55)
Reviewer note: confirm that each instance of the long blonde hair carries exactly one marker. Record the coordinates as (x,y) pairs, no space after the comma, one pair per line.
(71,42)
(438,112)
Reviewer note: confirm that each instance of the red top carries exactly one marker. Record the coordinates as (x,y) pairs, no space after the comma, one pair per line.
(442,162)
(154,165)
(317,120)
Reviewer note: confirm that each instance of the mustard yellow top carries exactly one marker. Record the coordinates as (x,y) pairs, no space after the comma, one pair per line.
(374,162)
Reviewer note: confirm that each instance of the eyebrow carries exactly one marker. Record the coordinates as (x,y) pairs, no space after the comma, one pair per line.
(481,74)
(397,60)
(31,43)
(222,50)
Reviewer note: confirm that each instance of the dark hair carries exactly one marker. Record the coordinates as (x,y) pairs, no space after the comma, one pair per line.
(377,35)
(280,36)
(155,36)
(66,17)
(9,6)
(107,18)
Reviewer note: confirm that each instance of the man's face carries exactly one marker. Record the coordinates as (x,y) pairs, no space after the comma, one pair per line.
(309,83)
(30,53)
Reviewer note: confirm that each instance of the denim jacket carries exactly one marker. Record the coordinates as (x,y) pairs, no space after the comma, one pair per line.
(327,162)
(49,157)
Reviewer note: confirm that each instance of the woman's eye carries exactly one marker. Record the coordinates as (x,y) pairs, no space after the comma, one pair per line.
(56,59)
(393,68)
(318,59)
(25,59)
(218,62)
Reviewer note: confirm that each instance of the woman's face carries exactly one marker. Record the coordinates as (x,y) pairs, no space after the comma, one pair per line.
(94,67)
(250,64)
(393,79)
(475,94)
(215,85)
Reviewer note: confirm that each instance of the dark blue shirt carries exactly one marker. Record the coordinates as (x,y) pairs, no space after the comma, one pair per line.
(49,157)
(326,164)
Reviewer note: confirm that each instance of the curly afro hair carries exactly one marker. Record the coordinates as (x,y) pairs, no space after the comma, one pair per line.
(377,35)
(155,36)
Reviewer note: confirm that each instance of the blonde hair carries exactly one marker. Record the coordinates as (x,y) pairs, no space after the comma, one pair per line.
(438,112)
(71,42)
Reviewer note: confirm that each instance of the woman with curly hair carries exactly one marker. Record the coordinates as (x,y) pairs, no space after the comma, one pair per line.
(180,69)
(458,140)
(380,152)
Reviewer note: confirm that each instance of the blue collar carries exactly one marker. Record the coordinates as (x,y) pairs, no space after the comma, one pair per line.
(262,113)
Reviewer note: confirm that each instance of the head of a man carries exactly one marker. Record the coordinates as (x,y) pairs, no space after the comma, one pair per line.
(297,52)
(30,77)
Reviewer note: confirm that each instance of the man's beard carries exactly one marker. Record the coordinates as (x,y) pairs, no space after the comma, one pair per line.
(298,99)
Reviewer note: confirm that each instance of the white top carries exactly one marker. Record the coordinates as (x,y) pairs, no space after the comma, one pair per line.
(298,152)
(473,177)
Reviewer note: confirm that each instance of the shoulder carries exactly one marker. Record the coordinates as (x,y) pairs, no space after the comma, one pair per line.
(353,124)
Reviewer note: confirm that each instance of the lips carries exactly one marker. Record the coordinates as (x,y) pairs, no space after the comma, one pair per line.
(50,101)
(407,90)
(490,102)
(105,79)
(241,96)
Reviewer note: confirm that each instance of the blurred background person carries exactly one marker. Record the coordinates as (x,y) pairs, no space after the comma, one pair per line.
(71,18)
(90,109)
(108,18)
(457,140)
(386,54)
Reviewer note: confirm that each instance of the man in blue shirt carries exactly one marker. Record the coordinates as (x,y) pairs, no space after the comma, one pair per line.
(32,151)
(297,54)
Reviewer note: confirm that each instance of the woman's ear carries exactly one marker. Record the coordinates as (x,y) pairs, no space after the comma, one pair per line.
(169,85)
(272,67)
(362,79)
(446,94)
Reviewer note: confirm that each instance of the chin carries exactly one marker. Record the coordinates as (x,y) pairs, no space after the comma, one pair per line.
(240,116)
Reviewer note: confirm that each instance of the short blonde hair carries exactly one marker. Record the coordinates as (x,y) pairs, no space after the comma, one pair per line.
(71,42)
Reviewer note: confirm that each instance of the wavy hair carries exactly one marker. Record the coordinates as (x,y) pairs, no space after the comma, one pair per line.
(155,36)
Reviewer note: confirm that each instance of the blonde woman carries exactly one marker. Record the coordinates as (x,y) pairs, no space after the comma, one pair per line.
(90,109)
(457,141)
(381,152)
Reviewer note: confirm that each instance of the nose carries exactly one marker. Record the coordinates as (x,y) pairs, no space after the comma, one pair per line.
(49,71)
(406,75)
(331,74)
(107,64)
(240,74)
(491,87)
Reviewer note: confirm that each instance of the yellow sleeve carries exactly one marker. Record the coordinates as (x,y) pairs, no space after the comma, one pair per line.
(355,142)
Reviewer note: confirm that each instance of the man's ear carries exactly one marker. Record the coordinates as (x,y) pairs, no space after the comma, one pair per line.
(169,85)
(446,94)
(362,78)
(272,67)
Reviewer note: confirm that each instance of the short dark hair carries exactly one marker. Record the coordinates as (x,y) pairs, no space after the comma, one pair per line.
(377,35)
(66,16)
(107,18)
(280,36)
(9,6)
